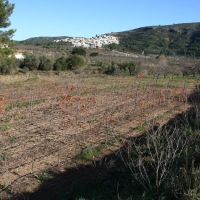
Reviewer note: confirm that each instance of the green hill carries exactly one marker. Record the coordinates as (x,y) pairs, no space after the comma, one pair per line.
(177,39)
(42,40)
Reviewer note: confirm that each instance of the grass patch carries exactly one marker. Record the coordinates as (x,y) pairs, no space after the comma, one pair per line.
(4,185)
(34,79)
(141,128)
(43,177)
(3,156)
(91,153)
(13,139)
(6,126)
(26,104)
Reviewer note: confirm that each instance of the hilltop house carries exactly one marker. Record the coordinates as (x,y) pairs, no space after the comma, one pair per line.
(94,42)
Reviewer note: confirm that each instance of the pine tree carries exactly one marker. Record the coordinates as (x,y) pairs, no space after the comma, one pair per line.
(6,44)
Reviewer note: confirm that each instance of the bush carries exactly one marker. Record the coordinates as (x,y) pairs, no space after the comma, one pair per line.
(122,69)
(79,51)
(45,64)
(93,54)
(6,65)
(128,66)
(31,62)
(60,64)
(70,63)
(73,62)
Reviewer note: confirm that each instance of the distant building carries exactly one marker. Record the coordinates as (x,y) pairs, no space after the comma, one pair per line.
(19,56)
(94,42)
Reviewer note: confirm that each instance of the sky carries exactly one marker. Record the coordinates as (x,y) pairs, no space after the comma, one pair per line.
(86,18)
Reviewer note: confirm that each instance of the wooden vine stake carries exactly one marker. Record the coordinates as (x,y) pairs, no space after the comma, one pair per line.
(106,128)
(31,109)
(58,157)
(2,108)
(33,160)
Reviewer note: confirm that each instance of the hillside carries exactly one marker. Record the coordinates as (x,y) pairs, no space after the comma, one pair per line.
(177,39)
(41,40)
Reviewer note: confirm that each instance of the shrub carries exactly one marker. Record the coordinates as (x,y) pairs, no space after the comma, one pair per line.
(128,66)
(93,54)
(45,64)
(79,51)
(31,62)
(60,64)
(73,62)
(122,69)
(5,69)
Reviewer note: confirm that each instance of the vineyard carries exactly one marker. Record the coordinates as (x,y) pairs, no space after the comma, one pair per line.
(48,121)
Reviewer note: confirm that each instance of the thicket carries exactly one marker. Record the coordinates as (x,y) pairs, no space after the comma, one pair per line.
(79,51)
(94,54)
(107,62)
(180,39)
(124,69)
(165,162)
(44,63)
(74,61)
(156,67)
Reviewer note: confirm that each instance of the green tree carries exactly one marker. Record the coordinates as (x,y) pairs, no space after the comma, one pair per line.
(113,46)
(31,62)
(73,62)
(60,64)
(79,51)
(45,64)
(6,50)
(129,66)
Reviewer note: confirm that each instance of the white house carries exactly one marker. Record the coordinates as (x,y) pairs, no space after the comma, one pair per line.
(19,56)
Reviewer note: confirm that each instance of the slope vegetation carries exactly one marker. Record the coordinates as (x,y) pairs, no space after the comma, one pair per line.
(177,39)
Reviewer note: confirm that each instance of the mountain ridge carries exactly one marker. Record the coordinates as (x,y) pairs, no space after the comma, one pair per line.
(174,39)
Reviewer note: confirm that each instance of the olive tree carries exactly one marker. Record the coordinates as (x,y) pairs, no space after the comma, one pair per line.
(30,62)
(74,61)
(45,64)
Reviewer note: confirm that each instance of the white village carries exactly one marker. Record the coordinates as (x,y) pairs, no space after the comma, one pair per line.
(95,42)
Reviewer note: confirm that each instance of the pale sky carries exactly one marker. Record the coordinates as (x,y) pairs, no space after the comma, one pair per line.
(86,18)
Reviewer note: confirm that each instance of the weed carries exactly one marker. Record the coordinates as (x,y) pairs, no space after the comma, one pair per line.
(6,126)
(141,128)
(43,177)
(13,139)
(80,198)
(90,154)
(26,104)
(4,185)
(3,156)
